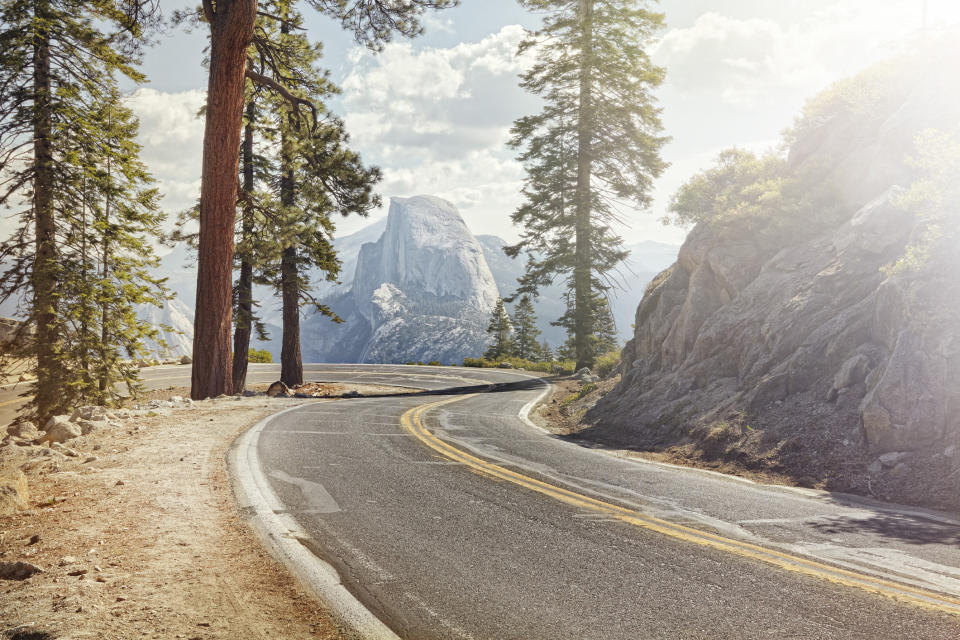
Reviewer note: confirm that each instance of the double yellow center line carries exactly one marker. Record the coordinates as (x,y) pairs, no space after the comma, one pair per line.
(412,421)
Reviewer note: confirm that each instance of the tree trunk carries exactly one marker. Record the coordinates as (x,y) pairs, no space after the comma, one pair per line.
(244,322)
(104,382)
(45,260)
(582,270)
(231,31)
(291,364)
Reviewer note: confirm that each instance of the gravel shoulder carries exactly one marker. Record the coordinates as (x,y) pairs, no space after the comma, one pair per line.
(139,536)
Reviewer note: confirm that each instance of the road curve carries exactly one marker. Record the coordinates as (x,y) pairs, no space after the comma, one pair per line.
(448,516)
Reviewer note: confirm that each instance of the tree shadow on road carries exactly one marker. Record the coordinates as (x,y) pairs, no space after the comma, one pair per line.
(903,527)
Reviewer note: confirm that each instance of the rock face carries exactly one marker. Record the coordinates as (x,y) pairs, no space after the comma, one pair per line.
(422,291)
(804,338)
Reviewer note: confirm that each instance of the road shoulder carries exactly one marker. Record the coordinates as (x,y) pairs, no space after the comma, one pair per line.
(146,540)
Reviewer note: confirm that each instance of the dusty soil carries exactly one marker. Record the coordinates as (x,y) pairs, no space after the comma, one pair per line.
(563,413)
(139,536)
(823,458)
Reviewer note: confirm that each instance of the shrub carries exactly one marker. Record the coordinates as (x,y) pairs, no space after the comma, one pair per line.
(434,363)
(565,366)
(259,355)
(607,363)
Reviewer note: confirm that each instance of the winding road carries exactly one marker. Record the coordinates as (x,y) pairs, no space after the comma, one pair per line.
(448,515)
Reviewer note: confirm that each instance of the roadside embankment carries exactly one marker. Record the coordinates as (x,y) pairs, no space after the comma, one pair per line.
(135,529)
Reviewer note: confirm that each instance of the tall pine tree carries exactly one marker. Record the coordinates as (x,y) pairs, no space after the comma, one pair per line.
(525,330)
(58,65)
(595,144)
(499,328)
(232,26)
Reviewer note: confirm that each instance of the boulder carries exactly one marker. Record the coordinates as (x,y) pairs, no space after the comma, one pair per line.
(186,360)
(14,491)
(25,430)
(278,389)
(18,570)
(90,412)
(60,429)
(89,426)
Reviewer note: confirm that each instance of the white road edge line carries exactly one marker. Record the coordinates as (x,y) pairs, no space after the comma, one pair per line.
(279,533)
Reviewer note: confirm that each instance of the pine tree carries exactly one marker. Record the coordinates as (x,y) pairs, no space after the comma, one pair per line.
(58,66)
(316,177)
(499,328)
(604,329)
(525,330)
(602,340)
(594,145)
(232,30)
(544,352)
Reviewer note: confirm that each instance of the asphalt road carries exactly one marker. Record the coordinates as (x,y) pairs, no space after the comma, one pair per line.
(450,517)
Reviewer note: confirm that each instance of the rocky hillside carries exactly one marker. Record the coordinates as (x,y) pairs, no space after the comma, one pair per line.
(781,339)
(422,291)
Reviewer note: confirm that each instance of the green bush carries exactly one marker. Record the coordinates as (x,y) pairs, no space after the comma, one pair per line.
(259,355)
(565,366)
(607,363)
(434,363)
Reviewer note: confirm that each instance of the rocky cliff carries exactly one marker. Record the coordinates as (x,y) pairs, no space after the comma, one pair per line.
(785,344)
(422,291)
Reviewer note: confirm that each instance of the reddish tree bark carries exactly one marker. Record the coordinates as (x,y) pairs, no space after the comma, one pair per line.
(45,260)
(231,32)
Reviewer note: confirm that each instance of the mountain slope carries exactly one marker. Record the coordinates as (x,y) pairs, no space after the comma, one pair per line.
(779,340)
(423,291)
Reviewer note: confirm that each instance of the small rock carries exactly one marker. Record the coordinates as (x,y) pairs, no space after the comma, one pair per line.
(26,430)
(67,451)
(889,460)
(34,539)
(875,468)
(65,560)
(78,572)
(950,451)
(90,459)
(278,388)
(352,394)
(89,426)
(900,471)
(176,399)
(119,483)
(186,360)
(59,429)
(18,570)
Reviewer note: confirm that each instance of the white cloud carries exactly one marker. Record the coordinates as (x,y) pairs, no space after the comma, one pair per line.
(171,135)
(753,62)
(437,120)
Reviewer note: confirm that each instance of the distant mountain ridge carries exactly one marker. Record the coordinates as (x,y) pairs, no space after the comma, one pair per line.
(456,306)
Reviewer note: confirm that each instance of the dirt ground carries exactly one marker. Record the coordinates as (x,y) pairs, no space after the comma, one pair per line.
(139,536)
(818,459)
(562,413)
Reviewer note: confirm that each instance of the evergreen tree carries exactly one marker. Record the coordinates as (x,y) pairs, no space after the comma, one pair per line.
(604,329)
(525,330)
(595,144)
(602,340)
(544,352)
(499,328)
(233,29)
(61,161)
(316,177)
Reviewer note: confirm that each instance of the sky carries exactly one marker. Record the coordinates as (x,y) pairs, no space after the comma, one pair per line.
(435,112)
